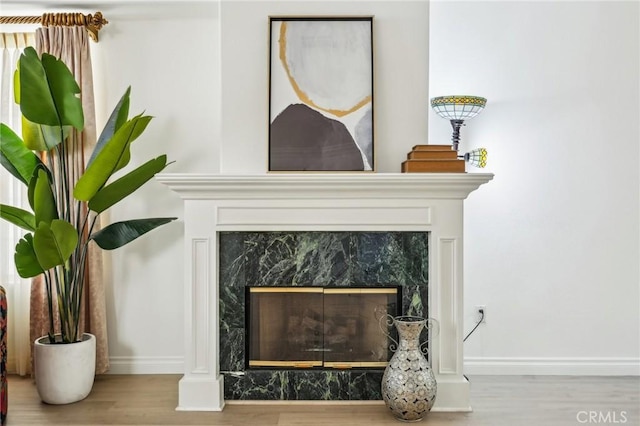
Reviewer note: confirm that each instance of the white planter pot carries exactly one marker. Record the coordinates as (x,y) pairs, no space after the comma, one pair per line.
(64,372)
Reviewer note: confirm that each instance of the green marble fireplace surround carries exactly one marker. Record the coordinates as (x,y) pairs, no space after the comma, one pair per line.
(324,259)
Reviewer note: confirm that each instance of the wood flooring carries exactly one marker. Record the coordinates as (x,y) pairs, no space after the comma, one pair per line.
(496,401)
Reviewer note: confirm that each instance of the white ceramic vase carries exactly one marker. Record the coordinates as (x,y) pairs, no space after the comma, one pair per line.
(64,372)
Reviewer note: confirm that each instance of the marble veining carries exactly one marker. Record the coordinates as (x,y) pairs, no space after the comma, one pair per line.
(359,259)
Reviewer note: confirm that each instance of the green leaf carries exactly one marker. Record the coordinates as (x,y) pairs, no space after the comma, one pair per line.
(32,182)
(39,137)
(44,203)
(112,155)
(31,190)
(118,117)
(121,233)
(16,86)
(15,157)
(141,125)
(36,100)
(48,91)
(25,258)
(33,135)
(65,91)
(22,218)
(54,244)
(121,188)
(9,167)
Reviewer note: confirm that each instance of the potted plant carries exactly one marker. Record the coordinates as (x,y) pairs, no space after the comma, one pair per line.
(62,224)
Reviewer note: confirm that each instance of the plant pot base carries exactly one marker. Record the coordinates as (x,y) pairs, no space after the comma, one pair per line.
(65,372)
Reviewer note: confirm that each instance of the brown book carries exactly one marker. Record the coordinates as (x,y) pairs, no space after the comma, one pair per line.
(433,148)
(433,166)
(432,155)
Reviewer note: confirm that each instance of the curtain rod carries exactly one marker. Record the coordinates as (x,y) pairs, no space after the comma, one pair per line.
(93,23)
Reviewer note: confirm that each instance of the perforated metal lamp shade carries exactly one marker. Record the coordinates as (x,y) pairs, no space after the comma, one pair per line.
(457,108)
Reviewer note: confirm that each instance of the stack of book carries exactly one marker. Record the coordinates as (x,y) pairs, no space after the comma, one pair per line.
(433,159)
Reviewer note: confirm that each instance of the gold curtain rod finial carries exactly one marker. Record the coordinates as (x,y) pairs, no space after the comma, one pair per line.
(98,20)
(95,24)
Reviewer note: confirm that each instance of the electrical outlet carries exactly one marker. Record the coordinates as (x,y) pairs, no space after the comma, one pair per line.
(482,308)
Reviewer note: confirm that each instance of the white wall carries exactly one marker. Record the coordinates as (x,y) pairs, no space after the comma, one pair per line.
(169,53)
(552,243)
(400,76)
(170,56)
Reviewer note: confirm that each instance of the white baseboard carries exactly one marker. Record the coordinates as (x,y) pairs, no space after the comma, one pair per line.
(552,366)
(472,365)
(146,365)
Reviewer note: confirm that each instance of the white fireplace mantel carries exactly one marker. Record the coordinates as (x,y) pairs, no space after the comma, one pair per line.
(215,203)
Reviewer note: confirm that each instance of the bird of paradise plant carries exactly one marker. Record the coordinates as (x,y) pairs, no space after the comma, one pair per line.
(62,223)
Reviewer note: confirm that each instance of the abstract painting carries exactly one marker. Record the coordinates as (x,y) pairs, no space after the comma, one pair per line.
(321,94)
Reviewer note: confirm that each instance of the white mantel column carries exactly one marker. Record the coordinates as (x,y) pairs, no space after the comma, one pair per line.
(446,306)
(201,388)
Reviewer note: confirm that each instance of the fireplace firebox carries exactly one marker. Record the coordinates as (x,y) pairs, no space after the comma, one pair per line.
(316,327)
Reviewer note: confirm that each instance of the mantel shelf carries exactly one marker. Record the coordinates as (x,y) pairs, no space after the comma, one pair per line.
(339,185)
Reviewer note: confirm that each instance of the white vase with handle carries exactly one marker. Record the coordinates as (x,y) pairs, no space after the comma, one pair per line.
(408,383)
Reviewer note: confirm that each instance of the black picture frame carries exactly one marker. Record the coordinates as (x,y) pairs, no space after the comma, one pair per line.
(321,114)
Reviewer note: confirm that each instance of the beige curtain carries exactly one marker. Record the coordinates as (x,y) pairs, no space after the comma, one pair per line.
(13,193)
(71,44)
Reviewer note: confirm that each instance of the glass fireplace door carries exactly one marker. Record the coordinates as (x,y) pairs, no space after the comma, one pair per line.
(307,327)
(285,327)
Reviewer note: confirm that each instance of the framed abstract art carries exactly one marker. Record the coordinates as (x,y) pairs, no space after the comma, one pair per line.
(321,94)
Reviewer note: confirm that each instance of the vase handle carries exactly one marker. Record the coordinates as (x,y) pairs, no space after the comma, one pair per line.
(433,327)
(388,322)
